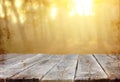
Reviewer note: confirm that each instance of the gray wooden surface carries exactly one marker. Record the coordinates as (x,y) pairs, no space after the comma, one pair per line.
(89,69)
(59,68)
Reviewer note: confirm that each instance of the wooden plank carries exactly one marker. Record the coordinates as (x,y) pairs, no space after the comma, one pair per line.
(4,64)
(20,66)
(40,69)
(64,71)
(22,80)
(10,62)
(89,70)
(110,66)
(4,57)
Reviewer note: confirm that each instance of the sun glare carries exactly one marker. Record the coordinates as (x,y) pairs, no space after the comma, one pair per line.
(1,12)
(53,12)
(18,3)
(82,7)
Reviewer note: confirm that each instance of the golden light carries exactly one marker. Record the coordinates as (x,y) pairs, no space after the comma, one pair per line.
(82,7)
(71,13)
(14,19)
(22,18)
(18,3)
(53,12)
(7,3)
(2,15)
(35,6)
(60,26)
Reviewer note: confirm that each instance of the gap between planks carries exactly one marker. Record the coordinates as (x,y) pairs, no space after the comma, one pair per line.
(89,70)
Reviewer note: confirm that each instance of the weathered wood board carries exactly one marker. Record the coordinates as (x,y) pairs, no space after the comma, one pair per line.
(40,69)
(4,57)
(111,65)
(56,68)
(64,71)
(20,66)
(88,69)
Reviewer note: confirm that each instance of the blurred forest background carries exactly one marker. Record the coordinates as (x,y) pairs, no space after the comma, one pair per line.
(60,26)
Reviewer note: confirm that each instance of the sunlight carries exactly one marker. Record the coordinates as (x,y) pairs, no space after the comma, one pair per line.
(2,15)
(82,7)
(14,19)
(53,12)
(7,3)
(22,18)
(60,26)
(18,3)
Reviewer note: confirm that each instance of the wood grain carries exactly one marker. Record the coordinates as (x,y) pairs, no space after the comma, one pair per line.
(88,69)
(14,60)
(39,69)
(56,68)
(64,71)
(20,66)
(4,57)
(110,65)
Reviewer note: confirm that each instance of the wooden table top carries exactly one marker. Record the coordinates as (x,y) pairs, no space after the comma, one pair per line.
(59,68)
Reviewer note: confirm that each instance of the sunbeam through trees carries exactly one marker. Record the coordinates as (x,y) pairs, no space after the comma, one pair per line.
(60,26)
